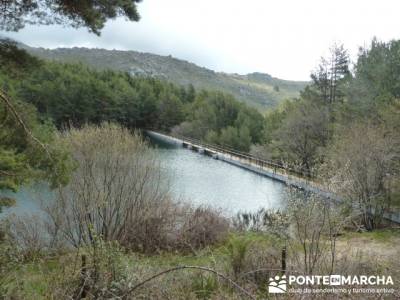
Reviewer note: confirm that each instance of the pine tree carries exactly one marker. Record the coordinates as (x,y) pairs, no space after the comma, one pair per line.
(330,73)
(14,14)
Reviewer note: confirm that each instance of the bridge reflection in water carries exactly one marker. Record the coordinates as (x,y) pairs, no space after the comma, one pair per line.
(203,180)
(273,170)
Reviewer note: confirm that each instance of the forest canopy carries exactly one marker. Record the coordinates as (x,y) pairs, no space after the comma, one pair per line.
(308,133)
(50,95)
(344,128)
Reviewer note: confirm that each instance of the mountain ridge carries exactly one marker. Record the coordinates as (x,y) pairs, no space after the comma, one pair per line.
(260,90)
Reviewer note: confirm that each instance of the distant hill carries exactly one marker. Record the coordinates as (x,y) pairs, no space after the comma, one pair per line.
(257,89)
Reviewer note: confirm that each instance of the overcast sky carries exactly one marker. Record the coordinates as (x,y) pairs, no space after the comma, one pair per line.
(284,38)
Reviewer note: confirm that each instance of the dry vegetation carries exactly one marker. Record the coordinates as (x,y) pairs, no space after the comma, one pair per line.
(115,233)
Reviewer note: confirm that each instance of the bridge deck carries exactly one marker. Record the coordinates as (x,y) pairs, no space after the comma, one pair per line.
(259,166)
(262,167)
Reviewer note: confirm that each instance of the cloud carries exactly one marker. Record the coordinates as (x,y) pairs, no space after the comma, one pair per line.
(284,38)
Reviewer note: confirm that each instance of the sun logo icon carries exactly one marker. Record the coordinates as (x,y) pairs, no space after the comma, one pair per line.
(277,284)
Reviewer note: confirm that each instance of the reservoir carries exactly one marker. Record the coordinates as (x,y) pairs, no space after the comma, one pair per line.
(193,178)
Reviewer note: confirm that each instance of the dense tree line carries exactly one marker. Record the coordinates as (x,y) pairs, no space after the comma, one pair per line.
(26,140)
(311,133)
(345,128)
(219,119)
(52,95)
(74,94)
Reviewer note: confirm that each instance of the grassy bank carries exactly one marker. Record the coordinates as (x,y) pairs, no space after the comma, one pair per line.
(54,276)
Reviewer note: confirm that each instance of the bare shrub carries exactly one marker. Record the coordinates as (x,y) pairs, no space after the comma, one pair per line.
(119,192)
(261,261)
(263,220)
(362,166)
(103,272)
(201,227)
(315,225)
(78,275)
(251,259)
(117,185)
(27,233)
(154,228)
(10,260)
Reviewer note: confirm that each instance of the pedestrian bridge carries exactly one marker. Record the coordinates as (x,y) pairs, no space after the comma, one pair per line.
(273,170)
(276,171)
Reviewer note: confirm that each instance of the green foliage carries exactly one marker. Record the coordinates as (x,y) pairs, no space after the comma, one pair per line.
(10,260)
(274,118)
(11,164)
(237,249)
(5,202)
(14,14)
(26,139)
(331,76)
(15,60)
(300,132)
(59,275)
(346,127)
(219,119)
(22,158)
(229,136)
(236,138)
(104,269)
(204,285)
(73,94)
(303,134)
(376,83)
(256,89)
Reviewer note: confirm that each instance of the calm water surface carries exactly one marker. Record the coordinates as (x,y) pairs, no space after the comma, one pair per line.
(204,180)
(193,177)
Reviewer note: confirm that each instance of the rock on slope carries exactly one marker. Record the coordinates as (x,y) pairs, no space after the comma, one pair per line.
(256,89)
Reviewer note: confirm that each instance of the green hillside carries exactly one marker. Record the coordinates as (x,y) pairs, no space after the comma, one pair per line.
(256,89)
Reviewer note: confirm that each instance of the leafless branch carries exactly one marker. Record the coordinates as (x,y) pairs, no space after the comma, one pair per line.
(237,286)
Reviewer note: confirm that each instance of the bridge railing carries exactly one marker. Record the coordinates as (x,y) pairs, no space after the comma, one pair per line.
(242,155)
